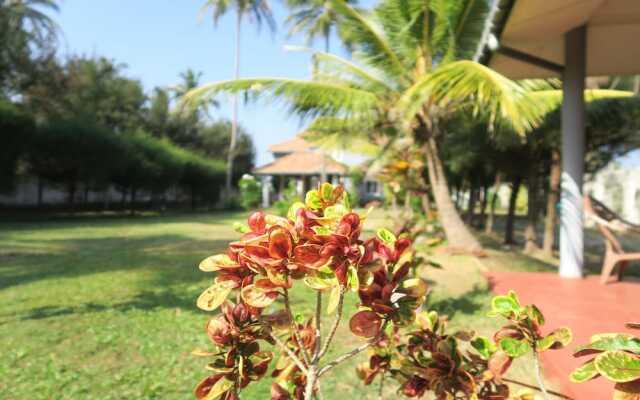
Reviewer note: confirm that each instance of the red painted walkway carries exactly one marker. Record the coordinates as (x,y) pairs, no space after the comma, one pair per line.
(584,305)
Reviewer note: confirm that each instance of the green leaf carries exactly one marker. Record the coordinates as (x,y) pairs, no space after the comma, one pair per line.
(483,346)
(241,227)
(218,389)
(353,282)
(326,190)
(585,373)
(535,314)
(618,366)
(312,200)
(215,295)
(335,212)
(514,347)
(557,339)
(608,343)
(291,214)
(507,306)
(386,236)
(334,299)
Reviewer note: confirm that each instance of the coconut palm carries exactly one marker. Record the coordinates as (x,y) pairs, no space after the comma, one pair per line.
(314,18)
(411,72)
(257,11)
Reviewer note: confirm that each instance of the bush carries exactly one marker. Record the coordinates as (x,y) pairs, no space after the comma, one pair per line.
(289,196)
(16,132)
(250,192)
(318,245)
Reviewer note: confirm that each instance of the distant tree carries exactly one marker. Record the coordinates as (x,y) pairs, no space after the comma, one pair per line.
(86,88)
(16,133)
(257,11)
(27,35)
(158,115)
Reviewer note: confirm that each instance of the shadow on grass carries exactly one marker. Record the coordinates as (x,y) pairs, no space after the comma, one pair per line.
(468,303)
(173,258)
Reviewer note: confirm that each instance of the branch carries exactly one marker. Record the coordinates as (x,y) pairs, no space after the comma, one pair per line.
(294,328)
(316,351)
(336,322)
(353,352)
(534,387)
(536,363)
(287,350)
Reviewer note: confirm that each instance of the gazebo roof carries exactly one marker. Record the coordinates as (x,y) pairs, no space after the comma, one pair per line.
(531,36)
(302,163)
(292,145)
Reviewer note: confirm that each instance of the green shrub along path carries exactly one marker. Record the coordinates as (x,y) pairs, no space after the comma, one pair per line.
(104,308)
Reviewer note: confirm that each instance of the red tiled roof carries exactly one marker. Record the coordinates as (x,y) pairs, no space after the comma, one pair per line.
(291,145)
(302,163)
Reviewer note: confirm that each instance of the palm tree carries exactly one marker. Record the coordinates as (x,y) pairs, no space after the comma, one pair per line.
(314,18)
(411,74)
(257,11)
(190,80)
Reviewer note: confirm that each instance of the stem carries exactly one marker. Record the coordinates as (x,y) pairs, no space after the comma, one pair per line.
(381,389)
(287,350)
(294,329)
(538,368)
(336,322)
(534,387)
(316,352)
(353,352)
(312,376)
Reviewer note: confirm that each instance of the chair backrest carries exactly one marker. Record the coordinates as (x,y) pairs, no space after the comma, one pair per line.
(602,215)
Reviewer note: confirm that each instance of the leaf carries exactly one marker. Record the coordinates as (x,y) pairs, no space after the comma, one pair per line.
(217,262)
(609,342)
(334,299)
(386,236)
(557,339)
(240,227)
(335,212)
(353,282)
(627,391)
(318,283)
(633,325)
(215,295)
(258,297)
(312,200)
(326,190)
(218,389)
(618,366)
(585,373)
(483,346)
(293,210)
(535,314)
(415,287)
(507,306)
(514,347)
(365,324)
(499,363)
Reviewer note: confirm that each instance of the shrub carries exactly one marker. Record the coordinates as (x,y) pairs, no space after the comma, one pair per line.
(250,192)
(616,358)
(318,245)
(16,132)
(289,197)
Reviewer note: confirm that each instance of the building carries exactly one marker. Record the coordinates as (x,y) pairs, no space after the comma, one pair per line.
(301,162)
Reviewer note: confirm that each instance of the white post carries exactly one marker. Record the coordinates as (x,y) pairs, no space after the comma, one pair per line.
(573,148)
(266,191)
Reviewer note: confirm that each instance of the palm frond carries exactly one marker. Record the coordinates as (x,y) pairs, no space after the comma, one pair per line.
(360,32)
(306,98)
(467,84)
(332,133)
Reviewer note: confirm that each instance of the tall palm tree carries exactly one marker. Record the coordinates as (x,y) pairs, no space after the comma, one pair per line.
(314,18)
(258,11)
(411,74)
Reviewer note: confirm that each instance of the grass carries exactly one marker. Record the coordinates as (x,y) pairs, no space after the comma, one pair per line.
(104,308)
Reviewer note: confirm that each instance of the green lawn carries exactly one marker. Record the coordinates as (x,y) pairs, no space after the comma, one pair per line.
(104,308)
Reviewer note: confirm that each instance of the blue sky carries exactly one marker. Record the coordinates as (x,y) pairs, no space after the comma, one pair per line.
(158,39)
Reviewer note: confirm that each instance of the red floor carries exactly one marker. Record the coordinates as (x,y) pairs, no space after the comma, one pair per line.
(584,305)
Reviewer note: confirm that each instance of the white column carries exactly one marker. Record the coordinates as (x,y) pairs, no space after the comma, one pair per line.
(266,191)
(573,148)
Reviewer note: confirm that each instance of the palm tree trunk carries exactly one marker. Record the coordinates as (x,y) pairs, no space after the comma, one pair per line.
(458,235)
(492,211)
(508,231)
(483,204)
(471,203)
(552,200)
(530,233)
(234,108)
